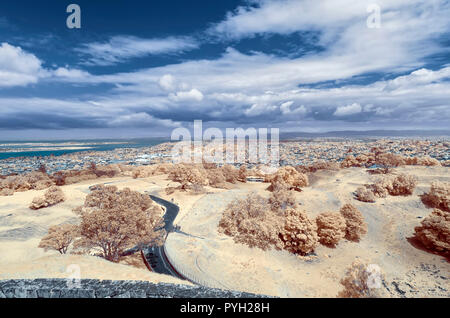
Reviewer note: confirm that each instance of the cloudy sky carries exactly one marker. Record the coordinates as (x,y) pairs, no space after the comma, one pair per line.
(143,68)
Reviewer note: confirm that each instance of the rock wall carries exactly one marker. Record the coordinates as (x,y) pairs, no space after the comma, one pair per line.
(92,288)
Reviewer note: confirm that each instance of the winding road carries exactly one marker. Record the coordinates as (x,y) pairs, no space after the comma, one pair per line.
(155,255)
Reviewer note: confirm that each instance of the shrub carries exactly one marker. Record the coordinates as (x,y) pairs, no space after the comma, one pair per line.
(317,166)
(281,200)
(434,232)
(360,281)
(288,177)
(354,220)
(113,221)
(59,238)
(299,234)
(364,194)
(187,175)
(386,160)
(216,179)
(438,197)
(428,161)
(52,196)
(251,222)
(242,174)
(330,228)
(230,173)
(6,192)
(399,185)
(402,185)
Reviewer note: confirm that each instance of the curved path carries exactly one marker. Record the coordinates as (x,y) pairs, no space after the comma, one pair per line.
(155,255)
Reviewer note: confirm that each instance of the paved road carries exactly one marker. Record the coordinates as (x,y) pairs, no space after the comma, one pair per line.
(155,255)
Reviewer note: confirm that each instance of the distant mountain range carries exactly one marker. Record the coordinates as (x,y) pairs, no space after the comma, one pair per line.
(367,133)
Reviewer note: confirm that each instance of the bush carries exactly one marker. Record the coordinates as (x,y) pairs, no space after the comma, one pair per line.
(289,178)
(216,178)
(364,194)
(331,228)
(59,238)
(281,200)
(354,220)
(438,197)
(359,282)
(299,234)
(188,175)
(428,162)
(402,185)
(251,222)
(317,166)
(52,196)
(230,173)
(18,183)
(242,174)
(434,232)
(386,160)
(6,192)
(399,185)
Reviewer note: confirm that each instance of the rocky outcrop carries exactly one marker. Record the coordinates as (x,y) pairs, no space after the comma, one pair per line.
(92,288)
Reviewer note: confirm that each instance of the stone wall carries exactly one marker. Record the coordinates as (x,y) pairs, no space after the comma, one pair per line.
(92,288)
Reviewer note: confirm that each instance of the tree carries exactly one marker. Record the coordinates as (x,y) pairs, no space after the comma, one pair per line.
(281,199)
(434,231)
(355,225)
(231,174)
(362,281)
(394,185)
(330,228)
(42,169)
(216,179)
(188,175)
(438,197)
(288,177)
(242,176)
(250,221)
(59,238)
(299,234)
(113,221)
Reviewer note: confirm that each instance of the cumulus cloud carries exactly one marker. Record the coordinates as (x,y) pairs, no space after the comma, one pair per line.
(167,82)
(348,110)
(17,67)
(194,95)
(319,90)
(121,48)
(286,109)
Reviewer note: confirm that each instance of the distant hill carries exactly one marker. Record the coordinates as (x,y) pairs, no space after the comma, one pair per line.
(367,134)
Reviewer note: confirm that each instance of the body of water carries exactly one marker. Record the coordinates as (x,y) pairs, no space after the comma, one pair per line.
(15,149)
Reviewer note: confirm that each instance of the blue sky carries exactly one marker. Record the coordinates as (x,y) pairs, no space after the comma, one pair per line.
(143,68)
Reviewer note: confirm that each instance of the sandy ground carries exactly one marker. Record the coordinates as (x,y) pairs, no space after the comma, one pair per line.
(219,262)
(21,230)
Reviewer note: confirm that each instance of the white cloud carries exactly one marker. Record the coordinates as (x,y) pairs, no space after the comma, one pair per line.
(286,109)
(74,74)
(141,119)
(352,109)
(120,48)
(192,95)
(167,82)
(17,67)
(259,109)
